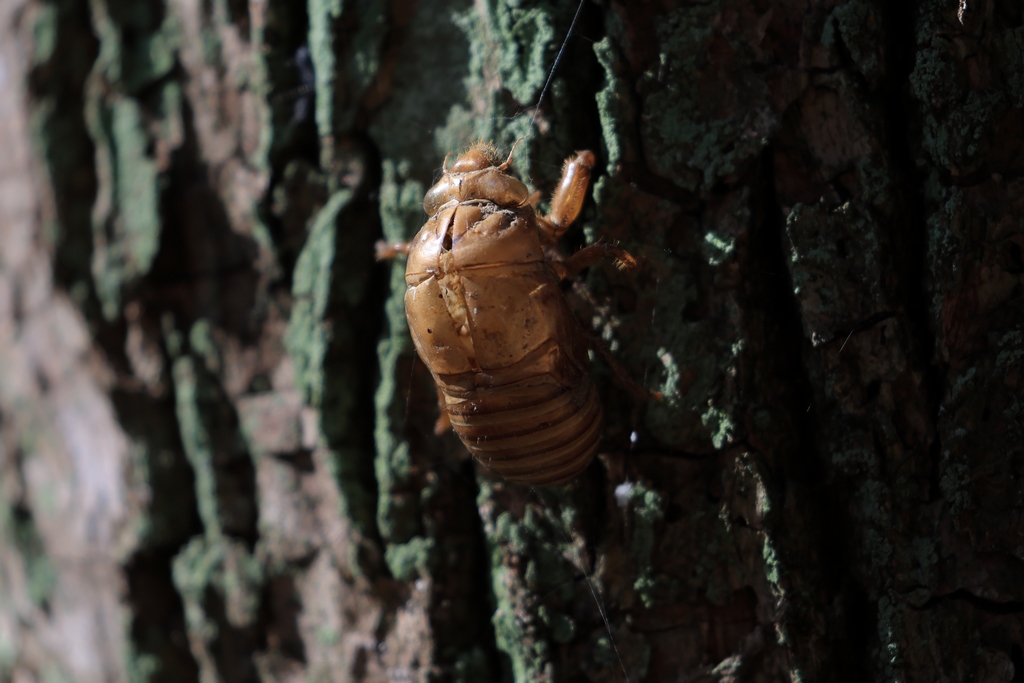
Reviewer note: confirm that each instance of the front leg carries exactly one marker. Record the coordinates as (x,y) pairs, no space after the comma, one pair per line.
(567,201)
(386,251)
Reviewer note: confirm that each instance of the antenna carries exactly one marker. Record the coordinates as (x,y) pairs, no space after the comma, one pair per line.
(554,65)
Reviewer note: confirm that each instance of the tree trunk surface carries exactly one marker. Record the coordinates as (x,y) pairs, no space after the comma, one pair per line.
(218,461)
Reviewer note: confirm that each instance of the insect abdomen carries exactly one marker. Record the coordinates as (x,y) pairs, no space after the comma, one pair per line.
(536,422)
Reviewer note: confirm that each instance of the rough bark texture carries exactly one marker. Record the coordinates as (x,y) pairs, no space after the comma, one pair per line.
(217,461)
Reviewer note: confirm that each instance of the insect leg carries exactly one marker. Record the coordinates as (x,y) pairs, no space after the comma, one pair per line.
(444,420)
(568,198)
(588,256)
(385,251)
(619,371)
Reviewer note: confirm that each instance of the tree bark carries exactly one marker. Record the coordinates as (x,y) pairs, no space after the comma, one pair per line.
(217,459)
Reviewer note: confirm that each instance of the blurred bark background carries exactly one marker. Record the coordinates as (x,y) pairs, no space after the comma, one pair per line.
(217,461)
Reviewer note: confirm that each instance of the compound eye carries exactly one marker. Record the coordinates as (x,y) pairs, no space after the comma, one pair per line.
(473,160)
(439,195)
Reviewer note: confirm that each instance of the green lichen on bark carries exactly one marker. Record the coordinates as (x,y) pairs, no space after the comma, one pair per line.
(698,367)
(689,139)
(692,364)
(20,527)
(214,446)
(511,50)
(398,508)
(646,510)
(59,128)
(320,339)
(835,300)
(616,110)
(428,87)
(125,130)
(216,575)
(520,628)
(860,28)
(219,582)
(344,43)
(196,441)
(308,336)
(964,107)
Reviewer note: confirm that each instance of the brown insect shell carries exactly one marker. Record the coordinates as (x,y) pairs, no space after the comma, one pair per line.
(489,320)
(511,302)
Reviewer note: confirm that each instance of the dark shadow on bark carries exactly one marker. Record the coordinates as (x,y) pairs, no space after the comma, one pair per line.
(158,620)
(827,557)
(283,607)
(203,269)
(910,244)
(295,143)
(57,90)
(151,423)
(234,647)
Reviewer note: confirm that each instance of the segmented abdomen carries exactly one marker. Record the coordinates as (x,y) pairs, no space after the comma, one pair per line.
(529,423)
